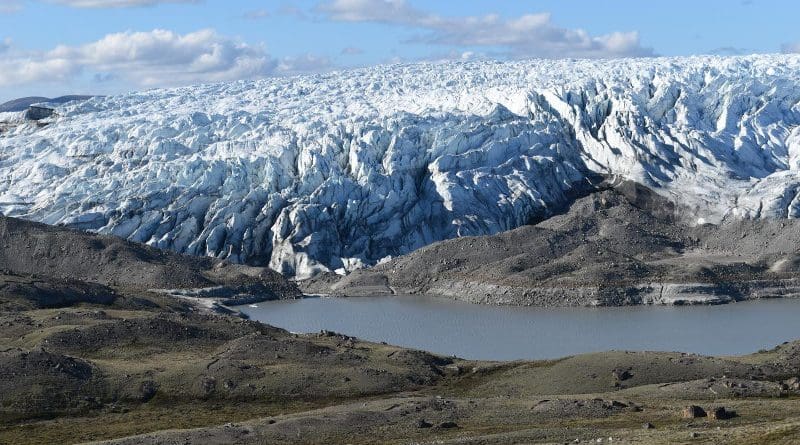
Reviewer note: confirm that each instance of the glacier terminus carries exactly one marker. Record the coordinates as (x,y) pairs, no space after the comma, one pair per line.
(337,171)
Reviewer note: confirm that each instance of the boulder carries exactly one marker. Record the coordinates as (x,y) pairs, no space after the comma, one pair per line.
(148,390)
(36,113)
(422,423)
(693,412)
(792,383)
(720,413)
(621,374)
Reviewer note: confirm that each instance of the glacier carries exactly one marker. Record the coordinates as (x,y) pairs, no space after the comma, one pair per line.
(337,171)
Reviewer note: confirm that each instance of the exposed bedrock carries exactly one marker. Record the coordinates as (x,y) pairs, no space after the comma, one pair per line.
(618,246)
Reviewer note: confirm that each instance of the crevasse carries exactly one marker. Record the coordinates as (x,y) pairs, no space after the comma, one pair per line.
(340,170)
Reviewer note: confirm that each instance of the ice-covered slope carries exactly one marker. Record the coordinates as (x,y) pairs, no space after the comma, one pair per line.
(343,169)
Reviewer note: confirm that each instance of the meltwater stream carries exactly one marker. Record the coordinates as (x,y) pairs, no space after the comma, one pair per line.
(508,333)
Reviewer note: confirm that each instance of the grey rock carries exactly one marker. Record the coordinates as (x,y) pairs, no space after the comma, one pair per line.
(693,412)
(422,423)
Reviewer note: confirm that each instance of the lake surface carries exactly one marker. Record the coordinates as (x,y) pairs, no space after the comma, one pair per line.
(507,333)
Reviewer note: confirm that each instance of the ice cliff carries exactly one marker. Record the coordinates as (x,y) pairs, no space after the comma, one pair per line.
(339,170)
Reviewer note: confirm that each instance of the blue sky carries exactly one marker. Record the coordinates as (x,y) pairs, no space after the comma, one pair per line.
(54,47)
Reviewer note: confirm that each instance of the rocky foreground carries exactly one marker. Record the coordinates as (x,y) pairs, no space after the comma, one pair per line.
(149,369)
(620,244)
(92,349)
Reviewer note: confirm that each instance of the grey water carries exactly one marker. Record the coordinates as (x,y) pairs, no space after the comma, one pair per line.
(508,333)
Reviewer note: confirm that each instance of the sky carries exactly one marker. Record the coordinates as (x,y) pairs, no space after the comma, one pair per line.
(55,47)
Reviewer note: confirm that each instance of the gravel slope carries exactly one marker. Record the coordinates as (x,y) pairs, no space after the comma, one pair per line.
(57,259)
(623,244)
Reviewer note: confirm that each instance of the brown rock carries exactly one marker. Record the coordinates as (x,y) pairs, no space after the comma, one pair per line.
(693,412)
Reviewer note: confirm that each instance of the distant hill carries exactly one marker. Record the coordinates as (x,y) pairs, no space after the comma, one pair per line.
(23,103)
(112,261)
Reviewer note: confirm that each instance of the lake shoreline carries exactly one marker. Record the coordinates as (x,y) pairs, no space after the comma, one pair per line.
(485,332)
(649,294)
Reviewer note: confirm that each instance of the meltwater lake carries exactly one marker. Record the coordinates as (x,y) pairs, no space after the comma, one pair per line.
(508,333)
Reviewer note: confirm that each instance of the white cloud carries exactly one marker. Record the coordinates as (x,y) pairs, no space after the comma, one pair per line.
(155,58)
(116,3)
(527,35)
(789,48)
(292,11)
(5,45)
(256,14)
(447,56)
(10,6)
(729,51)
(352,51)
(381,11)
(303,64)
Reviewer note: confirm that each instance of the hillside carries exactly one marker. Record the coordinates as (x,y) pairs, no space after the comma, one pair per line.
(23,103)
(620,245)
(51,266)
